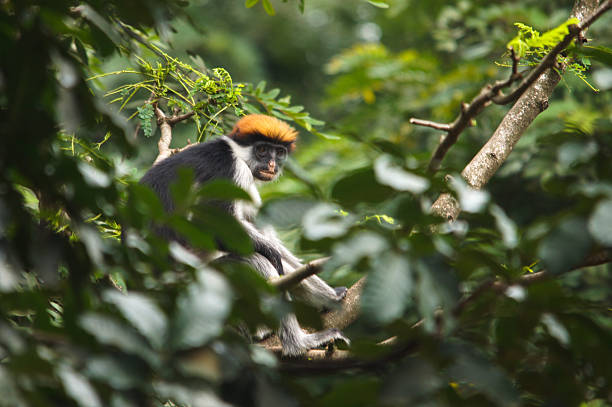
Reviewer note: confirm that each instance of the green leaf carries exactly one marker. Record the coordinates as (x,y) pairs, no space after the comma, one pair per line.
(313,121)
(470,199)
(224,227)
(472,370)
(378,3)
(285,213)
(294,109)
(250,3)
(360,187)
(556,329)
(116,370)
(268,7)
(90,14)
(506,227)
(398,178)
(181,188)
(281,116)
(261,86)
(601,54)
(145,114)
(9,389)
(78,387)
(566,245)
(196,236)
(222,190)
(146,202)
(327,136)
(363,244)
(272,94)
(600,223)
(387,289)
(572,153)
(142,313)
(81,51)
(201,310)
(250,108)
(325,220)
(415,379)
(109,331)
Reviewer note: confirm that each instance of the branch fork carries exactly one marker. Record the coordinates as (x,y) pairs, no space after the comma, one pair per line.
(165,125)
(492,93)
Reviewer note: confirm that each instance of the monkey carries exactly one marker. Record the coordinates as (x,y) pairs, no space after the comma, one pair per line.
(254,151)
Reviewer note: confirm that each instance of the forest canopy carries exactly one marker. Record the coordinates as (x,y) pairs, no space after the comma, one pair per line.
(453,169)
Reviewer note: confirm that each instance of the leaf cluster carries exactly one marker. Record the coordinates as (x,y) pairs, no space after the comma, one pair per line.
(532,46)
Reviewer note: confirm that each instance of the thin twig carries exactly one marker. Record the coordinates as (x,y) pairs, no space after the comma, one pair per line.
(132,33)
(600,257)
(179,118)
(292,279)
(433,125)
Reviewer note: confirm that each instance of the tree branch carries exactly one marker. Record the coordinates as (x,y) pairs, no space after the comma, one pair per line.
(492,155)
(292,279)
(600,257)
(330,364)
(433,125)
(492,93)
(165,125)
(349,311)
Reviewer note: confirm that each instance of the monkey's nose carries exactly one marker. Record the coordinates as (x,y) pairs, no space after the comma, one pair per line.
(271,165)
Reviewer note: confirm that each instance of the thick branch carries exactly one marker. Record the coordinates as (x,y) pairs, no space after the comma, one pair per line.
(165,124)
(492,93)
(514,124)
(343,361)
(349,311)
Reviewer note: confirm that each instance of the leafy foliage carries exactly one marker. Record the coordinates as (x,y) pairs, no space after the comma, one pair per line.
(533,46)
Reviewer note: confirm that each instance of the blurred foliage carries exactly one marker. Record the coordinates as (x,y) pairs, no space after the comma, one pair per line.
(96,310)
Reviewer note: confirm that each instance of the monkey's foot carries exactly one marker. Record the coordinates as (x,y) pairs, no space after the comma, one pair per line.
(297,346)
(341,292)
(262,333)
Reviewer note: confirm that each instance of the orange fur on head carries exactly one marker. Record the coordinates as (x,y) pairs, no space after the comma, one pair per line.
(264,126)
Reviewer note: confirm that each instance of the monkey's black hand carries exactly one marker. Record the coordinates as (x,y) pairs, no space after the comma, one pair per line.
(341,292)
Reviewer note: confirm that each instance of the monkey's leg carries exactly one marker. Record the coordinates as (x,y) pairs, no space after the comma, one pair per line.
(312,290)
(296,342)
(318,293)
(293,339)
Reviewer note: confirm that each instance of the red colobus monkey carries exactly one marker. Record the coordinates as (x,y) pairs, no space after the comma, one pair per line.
(255,150)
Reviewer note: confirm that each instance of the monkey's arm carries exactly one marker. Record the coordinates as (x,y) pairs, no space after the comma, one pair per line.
(312,290)
(264,246)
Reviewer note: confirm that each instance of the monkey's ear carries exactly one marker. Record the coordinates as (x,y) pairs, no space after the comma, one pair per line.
(291,147)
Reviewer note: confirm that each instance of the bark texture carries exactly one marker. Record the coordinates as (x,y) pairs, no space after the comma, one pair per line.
(512,127)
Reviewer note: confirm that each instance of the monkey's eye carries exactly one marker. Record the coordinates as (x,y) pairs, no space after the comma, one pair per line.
(260,150)
(281,153)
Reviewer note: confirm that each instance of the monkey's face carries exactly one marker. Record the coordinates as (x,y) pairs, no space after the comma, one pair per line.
(268,160)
